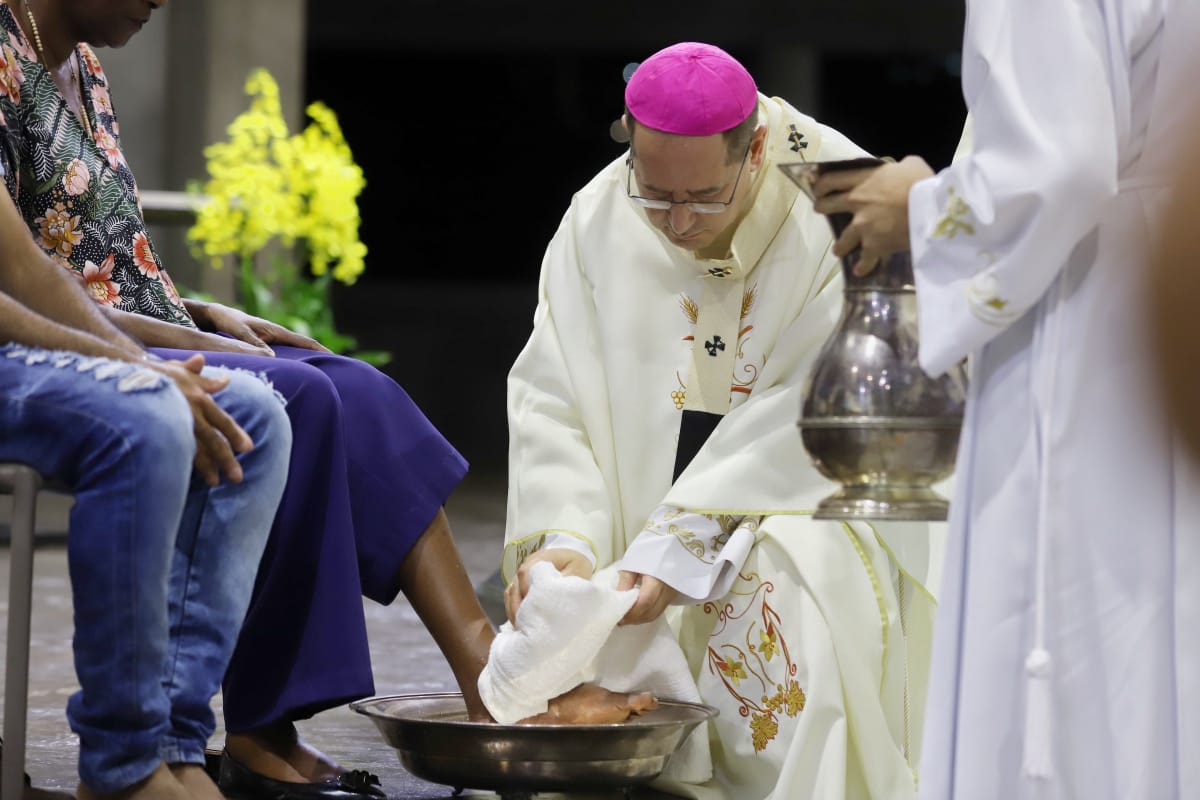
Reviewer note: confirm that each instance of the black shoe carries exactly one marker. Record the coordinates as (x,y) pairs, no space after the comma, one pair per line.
(212,763)
(238,782)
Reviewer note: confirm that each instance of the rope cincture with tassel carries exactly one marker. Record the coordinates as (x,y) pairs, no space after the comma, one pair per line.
(1037,761)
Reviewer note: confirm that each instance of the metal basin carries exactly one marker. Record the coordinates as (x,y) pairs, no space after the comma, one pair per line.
(436,742)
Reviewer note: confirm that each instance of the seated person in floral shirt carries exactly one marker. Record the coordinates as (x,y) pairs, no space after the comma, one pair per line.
(362,510)
(177,470)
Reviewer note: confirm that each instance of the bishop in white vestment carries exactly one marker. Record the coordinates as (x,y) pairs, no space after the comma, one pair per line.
(652,418)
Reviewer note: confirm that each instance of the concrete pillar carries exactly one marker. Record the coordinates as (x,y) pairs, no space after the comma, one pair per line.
(179,83)
(138,76)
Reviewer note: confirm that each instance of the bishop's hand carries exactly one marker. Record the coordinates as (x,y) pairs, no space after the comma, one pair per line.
(566,561)
(653,597)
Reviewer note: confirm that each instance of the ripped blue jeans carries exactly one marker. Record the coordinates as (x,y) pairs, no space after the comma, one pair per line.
(161,564)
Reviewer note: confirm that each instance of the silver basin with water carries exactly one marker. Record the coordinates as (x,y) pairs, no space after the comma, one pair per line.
(436,742)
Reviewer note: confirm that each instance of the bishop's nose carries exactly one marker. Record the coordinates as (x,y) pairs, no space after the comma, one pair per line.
(680,218)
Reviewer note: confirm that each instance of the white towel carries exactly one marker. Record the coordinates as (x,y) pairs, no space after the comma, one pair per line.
(566,635)
(561,626)
(647,658)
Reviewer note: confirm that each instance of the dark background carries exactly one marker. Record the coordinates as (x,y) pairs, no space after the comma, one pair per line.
(475,121)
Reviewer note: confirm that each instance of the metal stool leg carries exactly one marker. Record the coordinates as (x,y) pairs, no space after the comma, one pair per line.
(26,483)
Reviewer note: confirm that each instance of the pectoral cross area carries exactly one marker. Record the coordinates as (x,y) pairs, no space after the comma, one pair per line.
(797,139)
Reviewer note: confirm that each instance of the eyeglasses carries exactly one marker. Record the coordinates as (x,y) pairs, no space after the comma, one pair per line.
(696,207)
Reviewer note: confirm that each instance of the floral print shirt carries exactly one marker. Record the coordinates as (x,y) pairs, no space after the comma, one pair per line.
(76,192)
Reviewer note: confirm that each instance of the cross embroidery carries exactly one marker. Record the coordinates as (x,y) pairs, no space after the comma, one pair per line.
(713,346)
(720,272)
(797,139)
(953,222)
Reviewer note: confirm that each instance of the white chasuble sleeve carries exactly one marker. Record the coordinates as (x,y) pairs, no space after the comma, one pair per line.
(698,555)
(566,541)
(556,486)
(991,233)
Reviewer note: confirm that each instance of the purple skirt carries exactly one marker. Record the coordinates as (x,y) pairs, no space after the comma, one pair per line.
(368,474)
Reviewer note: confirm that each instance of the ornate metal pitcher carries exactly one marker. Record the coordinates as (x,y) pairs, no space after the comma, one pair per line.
(871,419)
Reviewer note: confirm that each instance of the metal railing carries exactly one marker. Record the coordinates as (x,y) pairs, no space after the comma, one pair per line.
(170,208)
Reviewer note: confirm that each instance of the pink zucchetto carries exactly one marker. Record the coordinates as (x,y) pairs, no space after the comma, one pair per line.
(691,89)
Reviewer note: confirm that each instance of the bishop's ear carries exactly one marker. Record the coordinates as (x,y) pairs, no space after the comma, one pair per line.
(619,130)
(758,147)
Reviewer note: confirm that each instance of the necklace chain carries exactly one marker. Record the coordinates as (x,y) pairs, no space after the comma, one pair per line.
(76,70)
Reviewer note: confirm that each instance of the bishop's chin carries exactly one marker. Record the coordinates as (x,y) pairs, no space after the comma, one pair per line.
(693,242)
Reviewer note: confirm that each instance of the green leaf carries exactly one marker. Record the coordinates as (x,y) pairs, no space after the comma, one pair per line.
(338,342)
(376,358)
(263,298)
(301,326)
(196,294)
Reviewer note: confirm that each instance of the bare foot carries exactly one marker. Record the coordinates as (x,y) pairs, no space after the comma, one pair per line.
(161,785)
(434,580)
(193,778)
(589,704)
(478,635)
(278,752)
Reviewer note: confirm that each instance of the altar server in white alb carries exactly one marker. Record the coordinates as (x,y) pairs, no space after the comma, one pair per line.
(1066,661)
(653,415)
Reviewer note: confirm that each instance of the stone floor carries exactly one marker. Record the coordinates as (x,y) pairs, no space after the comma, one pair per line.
(403,655)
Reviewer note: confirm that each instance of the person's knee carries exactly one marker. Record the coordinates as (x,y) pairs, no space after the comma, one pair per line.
(158,427)
(314,392)
(255,405)
(98,412)
(303,385)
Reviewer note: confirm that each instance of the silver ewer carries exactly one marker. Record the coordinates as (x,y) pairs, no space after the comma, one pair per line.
(872,419)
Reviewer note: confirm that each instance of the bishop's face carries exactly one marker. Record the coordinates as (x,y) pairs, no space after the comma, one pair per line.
(683,171)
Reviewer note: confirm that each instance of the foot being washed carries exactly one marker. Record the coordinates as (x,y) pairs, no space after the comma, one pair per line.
(589,704)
